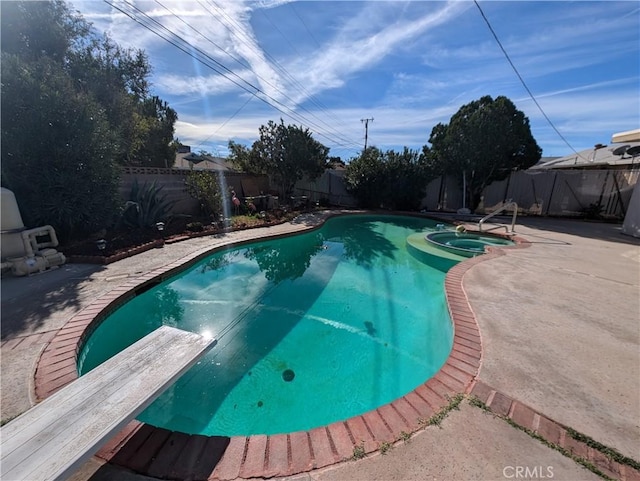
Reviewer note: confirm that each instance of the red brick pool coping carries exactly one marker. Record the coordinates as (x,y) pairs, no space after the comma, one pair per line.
(551,431)
(165,454)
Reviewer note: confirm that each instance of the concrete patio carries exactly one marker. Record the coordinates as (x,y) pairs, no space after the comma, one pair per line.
(560,329)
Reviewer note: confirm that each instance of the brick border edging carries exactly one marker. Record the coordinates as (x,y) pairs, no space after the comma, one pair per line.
(550,430)
(173,455)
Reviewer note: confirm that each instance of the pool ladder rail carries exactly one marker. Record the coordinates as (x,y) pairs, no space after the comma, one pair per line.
(507,206)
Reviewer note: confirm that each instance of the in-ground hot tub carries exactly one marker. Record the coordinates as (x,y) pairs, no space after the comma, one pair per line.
(465,243)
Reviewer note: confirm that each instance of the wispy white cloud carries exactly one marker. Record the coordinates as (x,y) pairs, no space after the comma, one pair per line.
(269,3)
(629,82)
(362,43)
(204,85)
(579,114)
(585,109)
(236,20)
(408,64)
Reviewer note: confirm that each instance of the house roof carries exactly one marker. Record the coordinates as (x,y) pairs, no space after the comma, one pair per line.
(619,154)
(628,136)
(192,161)
(544,160)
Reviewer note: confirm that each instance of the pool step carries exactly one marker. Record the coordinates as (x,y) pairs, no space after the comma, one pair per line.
(430,254)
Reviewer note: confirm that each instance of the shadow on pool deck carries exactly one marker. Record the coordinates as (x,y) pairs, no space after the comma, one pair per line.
(573,295)
(27,302)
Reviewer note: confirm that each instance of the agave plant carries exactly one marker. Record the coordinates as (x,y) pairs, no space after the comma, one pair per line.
(147,205)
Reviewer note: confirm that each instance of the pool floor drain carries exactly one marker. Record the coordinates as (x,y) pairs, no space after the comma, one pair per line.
(288,375)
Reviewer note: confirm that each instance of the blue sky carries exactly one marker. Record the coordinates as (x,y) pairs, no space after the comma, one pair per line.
(408,65)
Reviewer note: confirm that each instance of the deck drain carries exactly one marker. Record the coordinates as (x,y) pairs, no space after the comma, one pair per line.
(288,375)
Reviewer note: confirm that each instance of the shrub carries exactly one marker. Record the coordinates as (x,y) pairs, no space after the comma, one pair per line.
(391,180)
(205,187)
(146,206)
(195,227)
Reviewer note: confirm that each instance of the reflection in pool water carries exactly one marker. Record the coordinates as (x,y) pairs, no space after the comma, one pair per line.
(311,329)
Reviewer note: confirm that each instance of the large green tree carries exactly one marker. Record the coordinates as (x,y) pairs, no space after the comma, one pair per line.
(57,144)
(484,141)
(32,30)
(154,121)
(57,149)
(286,153)
(365,177)
(74,106)
(393,180)
(118,79)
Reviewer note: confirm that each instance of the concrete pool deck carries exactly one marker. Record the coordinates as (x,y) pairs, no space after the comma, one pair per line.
(559,324)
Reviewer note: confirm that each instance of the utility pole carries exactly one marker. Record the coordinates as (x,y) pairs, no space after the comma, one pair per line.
(366,130)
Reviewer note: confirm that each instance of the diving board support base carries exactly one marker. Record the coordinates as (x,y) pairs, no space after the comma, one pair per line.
(55,437)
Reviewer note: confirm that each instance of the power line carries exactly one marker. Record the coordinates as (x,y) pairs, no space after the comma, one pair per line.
(239,61)
(183,49)
(306,27)
(227,121)
(256,90)
(284,71)
(248,87)
(239,32)
(535,101)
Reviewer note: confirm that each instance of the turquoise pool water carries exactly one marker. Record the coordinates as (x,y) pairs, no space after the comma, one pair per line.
(312,329)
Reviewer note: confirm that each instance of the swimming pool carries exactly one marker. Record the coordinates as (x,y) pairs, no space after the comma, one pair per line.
(312,329)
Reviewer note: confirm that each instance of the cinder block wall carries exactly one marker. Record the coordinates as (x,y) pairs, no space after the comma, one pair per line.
(173,184)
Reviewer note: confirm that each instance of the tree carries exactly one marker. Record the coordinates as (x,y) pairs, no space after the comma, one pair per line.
(32,30)
(57,145)
(155,121)
(118,78)
(74,104)
(365,178)
(286,153)
(240,156)
(393,180)
(483,142)
(57,149)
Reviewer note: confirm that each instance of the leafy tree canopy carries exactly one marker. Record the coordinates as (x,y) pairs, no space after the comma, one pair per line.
(286,153)
(57,149)
(484,141)
(393,180)
(74,105)
(32,30)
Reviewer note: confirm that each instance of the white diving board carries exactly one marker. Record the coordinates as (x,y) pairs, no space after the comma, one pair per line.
(54,438)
